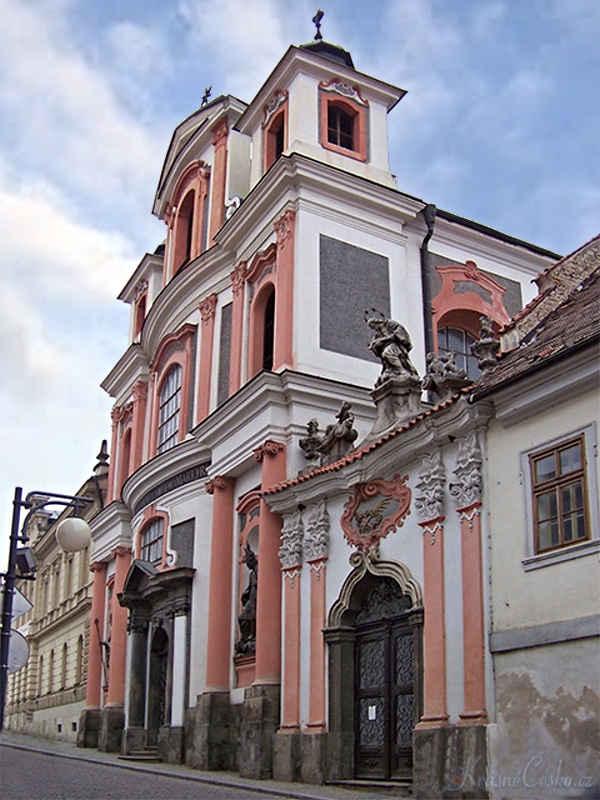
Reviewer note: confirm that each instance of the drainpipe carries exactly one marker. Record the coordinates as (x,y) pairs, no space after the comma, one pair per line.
(429,216)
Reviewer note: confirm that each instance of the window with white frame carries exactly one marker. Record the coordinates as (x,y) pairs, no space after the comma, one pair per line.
(559,495)
(169,409)
(152,541)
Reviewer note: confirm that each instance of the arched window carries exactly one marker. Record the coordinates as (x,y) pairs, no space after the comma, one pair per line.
(63,667)
(151,545)
(269,332)
(124,458)
(169,409)
(275,139)
(184,232)
(340,126)
(459,341)
(41,676)
(51,672)
(79,664)
(140,314)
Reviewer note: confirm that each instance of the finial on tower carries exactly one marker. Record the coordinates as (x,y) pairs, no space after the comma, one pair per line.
(317,20)
(205,96)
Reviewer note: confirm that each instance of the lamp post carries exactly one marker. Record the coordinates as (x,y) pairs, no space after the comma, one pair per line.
(72,534)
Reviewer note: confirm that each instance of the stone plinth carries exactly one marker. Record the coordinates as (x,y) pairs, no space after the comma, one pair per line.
(397,400)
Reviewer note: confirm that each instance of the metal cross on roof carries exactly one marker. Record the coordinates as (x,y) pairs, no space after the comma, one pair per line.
(205,96)
(317,20)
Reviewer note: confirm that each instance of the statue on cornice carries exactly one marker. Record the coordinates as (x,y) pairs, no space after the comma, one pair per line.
(391,343)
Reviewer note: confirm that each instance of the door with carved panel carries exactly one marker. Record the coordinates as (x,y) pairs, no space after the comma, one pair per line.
(385,697)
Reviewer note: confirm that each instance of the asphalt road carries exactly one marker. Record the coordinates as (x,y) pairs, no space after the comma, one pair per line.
(29,775)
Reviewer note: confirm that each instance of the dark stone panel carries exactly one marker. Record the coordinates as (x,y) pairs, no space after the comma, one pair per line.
(513,297)
(208,734)
(258,725)
(111,729)
(224,353)
(171,745)
(88,729)
(286,757)
(352,281)
(182,540)
(450,762)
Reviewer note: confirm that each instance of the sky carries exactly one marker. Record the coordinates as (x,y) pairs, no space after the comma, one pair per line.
(501,124)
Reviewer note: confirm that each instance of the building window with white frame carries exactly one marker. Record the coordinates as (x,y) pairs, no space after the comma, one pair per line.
(559,495)
(169,409)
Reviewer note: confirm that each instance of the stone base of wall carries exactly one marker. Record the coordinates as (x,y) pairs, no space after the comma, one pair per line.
(208,733)
(171,744)
(111,729)
(286,757)
(133,740)
(450,762)
(258,725)
(88,728)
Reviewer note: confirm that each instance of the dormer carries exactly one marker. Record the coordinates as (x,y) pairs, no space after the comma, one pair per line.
(141,290)
(206,171)
(317,104)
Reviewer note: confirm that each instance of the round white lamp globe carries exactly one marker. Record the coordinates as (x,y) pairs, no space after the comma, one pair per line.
(73,534)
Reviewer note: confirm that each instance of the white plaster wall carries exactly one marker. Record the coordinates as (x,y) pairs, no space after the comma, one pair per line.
(556,591)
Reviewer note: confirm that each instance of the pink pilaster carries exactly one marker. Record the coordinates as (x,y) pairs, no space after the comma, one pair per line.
(434,627)
(237,327)
(93,689)
(473,619)
(284,298)
(115,416)
(207,312)
(219,177)
(268,603)
(118,640)
(291,678)
(218,654)
(140,399)
(318,582)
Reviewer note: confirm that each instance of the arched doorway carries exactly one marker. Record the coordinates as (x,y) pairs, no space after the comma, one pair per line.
(375,673)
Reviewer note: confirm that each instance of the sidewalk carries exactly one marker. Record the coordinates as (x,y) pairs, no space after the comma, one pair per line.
(301,791)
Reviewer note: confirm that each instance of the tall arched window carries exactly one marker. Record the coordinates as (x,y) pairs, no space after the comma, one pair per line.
(41,676)
(275,139)
(459,341)
(269,332)
(340,126)
(79,664)
(169,409)
(63,666)
(184,232)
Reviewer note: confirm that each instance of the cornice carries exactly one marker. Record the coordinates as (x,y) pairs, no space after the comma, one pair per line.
(149,264)
(133,365)
(110,529)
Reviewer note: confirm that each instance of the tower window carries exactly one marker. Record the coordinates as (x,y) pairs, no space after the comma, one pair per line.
(340,127)
(459,341)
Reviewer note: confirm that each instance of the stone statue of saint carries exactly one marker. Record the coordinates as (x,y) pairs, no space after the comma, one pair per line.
(246,642)
(391,343)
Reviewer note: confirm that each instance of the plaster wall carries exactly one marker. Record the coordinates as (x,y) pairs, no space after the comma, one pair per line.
(549,591)
(545,743)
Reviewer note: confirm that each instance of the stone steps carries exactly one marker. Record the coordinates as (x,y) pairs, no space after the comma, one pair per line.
(148,754)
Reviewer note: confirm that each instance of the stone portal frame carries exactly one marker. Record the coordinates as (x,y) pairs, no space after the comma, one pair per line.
(340,638)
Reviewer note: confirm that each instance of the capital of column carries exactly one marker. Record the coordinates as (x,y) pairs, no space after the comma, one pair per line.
(469,513)
(284,228)
(291,573)
(269,448)
(220,133)
(207,308)
(219,482)
(432,526)
(140,391)
(120,552)
(238,278)
(98,566)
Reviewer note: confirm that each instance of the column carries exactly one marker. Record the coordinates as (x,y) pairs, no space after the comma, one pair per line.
(218,656)
(429,504)
(93,690)
(207,312)
(316,549)
(219,178)
(283,355)
(115,416)
(118,641)
(179,666)
(466,492)
(140,398)
(137,668)
(238,281)
(268,602)
(290,555)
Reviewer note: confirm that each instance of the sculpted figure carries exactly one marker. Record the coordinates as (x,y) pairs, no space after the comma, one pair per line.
(247,618)
(391,343)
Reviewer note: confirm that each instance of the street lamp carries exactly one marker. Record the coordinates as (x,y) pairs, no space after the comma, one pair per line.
(73,534)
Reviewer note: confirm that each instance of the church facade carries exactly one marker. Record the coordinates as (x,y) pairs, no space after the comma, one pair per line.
(291,573)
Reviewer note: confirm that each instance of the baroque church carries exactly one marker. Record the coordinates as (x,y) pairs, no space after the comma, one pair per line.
(292,571)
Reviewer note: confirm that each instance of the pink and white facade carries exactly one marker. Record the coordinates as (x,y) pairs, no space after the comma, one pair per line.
(283,224)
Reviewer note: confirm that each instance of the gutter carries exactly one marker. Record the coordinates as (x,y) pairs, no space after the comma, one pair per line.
(428,212)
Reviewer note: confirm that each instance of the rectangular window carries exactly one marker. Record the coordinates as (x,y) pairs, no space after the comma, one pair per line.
(152,541)
(558,485)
